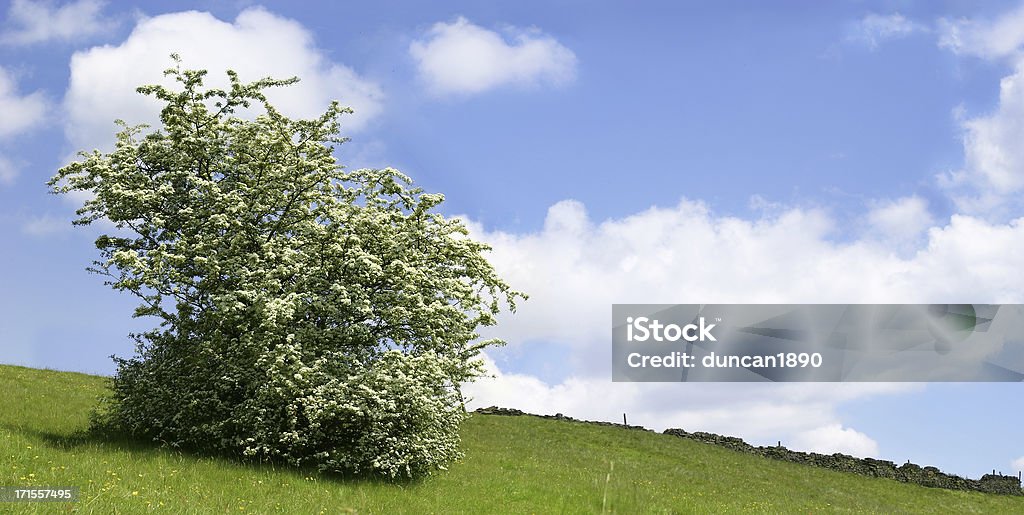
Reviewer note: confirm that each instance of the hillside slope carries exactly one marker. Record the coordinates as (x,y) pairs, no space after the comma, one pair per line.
(512,464)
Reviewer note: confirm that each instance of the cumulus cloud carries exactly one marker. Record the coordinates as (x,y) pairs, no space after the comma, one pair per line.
(575,268)
(256,44)
(35,22)
(836,438)
(992,177)
(900,223)
(1018,464)
(874,29)
(994,161)
(20,112)
(802,416)
(463,58)
(986,38)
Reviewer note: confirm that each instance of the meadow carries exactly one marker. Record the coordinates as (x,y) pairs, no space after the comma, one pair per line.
(512,465)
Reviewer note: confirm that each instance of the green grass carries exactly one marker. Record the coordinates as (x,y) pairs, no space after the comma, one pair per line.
(512,465)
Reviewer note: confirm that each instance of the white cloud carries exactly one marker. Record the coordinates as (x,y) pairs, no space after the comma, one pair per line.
(575,268)
(20,112)
(874,29)
(460,57)
(257,44)
(46,225)
(834,438)
(8,172)
(992,177)
(900,223)
(34,22)
(1018,464)
(802,416)
(993,172)
(989,39)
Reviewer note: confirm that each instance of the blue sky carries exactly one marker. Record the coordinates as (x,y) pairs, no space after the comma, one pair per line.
(734,152)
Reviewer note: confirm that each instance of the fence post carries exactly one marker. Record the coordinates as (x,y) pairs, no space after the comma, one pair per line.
(624,420)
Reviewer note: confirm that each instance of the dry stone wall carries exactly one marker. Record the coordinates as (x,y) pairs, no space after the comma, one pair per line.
(907,473)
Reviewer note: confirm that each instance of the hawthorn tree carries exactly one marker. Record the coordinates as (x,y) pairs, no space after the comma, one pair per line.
(308,314)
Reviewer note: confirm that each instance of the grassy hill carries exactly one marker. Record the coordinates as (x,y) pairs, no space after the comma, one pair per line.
(512,464)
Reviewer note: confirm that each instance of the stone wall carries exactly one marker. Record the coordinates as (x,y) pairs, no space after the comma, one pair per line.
(494,410)
(907,473)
